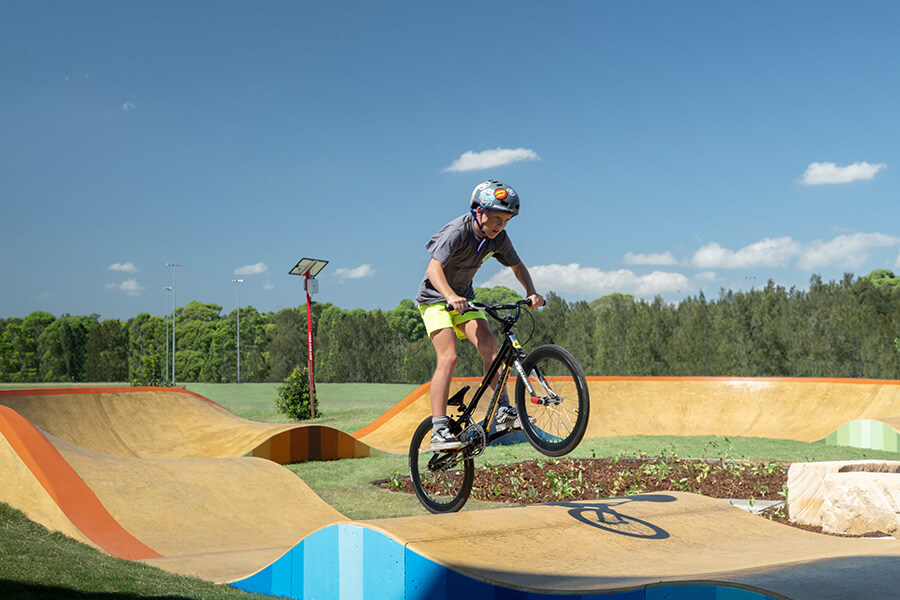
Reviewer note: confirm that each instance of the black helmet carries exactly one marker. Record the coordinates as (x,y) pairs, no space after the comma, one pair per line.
(495,195)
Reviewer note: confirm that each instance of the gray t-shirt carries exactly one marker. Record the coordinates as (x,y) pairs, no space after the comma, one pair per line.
(456,247)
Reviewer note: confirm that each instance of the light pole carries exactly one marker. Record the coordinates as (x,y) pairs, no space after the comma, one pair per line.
(238,282)
(308,268)
(168,288)
(173,265)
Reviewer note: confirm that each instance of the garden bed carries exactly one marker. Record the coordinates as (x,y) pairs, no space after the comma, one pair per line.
(542,481)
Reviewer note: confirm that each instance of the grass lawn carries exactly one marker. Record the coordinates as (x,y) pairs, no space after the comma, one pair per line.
(35,563)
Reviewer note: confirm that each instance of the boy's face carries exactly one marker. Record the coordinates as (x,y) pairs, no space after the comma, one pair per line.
(492,221)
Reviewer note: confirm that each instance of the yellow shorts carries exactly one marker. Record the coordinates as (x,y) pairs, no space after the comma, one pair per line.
(436,318)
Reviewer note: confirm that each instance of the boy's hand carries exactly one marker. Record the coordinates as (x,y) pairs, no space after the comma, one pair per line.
(457,303)
(537,300)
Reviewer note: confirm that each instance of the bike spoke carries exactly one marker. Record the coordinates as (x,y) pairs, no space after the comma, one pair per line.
(441,479)
(558,407)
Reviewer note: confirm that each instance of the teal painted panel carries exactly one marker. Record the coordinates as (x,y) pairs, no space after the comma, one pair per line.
(258,583)
(321,577)
(282,574)
(425,579)
(350,562)
(384,567)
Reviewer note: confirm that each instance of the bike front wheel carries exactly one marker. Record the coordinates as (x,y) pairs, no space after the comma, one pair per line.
(442,480)
(555,418)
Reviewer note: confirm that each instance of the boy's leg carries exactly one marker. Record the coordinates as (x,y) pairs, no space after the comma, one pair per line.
(478,332)
(444,342)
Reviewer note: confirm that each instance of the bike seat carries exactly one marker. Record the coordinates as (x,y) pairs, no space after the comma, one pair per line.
(457,398)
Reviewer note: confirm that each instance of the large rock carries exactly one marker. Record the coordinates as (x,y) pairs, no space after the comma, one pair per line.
(860,502)
(806,485)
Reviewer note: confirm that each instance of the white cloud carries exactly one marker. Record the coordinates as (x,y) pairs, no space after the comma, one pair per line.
(268,286)
(124,267)
(488,159)
(826,172)
(847,251)
(767,253)
(590,282)
(130,287)
(705,276)
(659,259)
(356,273)
(850,251)
(256,269)
(128,106)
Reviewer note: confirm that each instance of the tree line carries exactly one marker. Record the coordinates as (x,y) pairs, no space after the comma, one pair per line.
(847,328)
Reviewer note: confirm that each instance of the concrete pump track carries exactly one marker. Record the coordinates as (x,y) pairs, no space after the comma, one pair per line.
(169,478)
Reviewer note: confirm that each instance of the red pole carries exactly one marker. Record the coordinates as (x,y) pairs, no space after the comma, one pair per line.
(309,334)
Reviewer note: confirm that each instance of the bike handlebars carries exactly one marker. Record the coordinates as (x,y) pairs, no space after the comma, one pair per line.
(492,310)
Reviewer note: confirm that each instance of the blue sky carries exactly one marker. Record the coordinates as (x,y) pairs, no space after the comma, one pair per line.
(657,147)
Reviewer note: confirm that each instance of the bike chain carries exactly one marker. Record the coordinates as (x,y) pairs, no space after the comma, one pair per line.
(475,440)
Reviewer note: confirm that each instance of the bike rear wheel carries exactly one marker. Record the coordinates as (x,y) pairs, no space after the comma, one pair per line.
(442,480)
(561,405)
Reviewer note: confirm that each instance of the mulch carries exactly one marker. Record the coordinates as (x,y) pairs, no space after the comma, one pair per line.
(541,481)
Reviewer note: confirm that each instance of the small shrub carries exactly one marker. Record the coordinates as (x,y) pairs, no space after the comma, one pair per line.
(293,396)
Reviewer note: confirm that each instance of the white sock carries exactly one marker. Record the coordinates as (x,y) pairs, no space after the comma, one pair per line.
(438,423)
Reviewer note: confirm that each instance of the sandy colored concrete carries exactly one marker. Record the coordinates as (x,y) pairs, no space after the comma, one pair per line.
(219,518)
(171,422)
(225,518)
(789,408)
(625,543)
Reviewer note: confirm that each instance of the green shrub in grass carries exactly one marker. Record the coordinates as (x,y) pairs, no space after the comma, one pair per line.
(293,397)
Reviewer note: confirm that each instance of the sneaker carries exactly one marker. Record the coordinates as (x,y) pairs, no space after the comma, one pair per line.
(442,439)
(507,417)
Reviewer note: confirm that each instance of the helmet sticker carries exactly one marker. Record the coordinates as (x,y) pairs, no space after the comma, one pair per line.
(487,197)
(500,194)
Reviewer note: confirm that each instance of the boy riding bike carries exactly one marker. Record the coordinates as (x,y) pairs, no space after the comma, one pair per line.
(457,252)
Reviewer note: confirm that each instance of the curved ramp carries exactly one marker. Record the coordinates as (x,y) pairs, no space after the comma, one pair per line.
(255,524)
(171,422)
(803,409)
(672,545)
(213,518)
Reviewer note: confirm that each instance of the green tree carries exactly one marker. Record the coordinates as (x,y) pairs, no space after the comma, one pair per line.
(61,346)
(287,345)
(107,352)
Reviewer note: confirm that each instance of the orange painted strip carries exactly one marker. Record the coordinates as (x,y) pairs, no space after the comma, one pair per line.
(98,390)
(68,490)
(725,379)
(393,411)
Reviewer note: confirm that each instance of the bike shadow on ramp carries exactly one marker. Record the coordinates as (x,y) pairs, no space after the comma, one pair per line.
(602,514)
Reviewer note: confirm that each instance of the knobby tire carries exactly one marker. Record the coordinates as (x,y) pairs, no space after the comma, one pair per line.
(443,491)
(560,424)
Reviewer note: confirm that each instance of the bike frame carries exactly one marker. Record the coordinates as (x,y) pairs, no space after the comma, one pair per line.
(510,355)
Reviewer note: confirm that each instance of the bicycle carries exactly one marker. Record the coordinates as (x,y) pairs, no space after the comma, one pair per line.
(551,398)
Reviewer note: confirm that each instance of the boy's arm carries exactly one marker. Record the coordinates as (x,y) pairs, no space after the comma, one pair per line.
(435,273)
(524,278)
